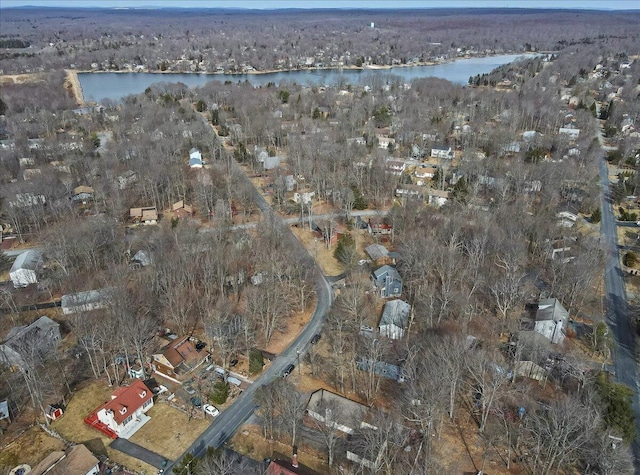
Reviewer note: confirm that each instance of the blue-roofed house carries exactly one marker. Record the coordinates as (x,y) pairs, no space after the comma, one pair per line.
(387,281)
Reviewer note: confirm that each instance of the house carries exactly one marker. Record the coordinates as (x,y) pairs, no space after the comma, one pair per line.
(304,198)
(424,173)
(511,147)
(328,231)
(140,259)
(290,182)
(377,227)
(25,268)
(529,369)
(82,194)
(379,254)
(384,141)
(409,191)
(529,135)
(395,167)
(26,200)
(336,411)
(127,178)
(181,210)
(570,131)
(382,369)
(442,152)
(148,215)
(195,158)
(124,414)
(85,301)
(37,338)
(551,320)
(437,198)
(284,467)
(180,356)
(76,460)
(395,318)
(269,163)
(387,281)
(566,219)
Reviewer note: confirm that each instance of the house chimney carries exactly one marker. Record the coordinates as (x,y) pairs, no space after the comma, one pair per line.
(294,462)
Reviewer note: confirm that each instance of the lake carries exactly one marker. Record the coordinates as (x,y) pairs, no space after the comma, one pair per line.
(115,86)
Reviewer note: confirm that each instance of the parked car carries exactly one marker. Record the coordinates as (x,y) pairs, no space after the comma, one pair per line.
(365,328)
(196,401)
(211,410)
(316,338)
(288,370)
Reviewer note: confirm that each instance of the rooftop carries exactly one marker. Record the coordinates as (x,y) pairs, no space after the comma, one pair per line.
(125,400)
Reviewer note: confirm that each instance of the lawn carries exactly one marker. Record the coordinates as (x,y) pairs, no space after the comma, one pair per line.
(30,447)
(169,432)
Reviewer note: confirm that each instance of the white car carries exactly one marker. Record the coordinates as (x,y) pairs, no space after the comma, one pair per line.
(211,410)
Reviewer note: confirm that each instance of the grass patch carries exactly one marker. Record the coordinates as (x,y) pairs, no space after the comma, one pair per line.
(169,432)
(31,447)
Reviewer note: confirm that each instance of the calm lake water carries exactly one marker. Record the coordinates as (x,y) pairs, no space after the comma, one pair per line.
(115,86)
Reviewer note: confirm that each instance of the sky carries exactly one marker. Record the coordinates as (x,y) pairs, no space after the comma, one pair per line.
(387,4)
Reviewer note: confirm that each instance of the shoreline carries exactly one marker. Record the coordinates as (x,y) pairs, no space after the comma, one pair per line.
(73,83)
(372,67)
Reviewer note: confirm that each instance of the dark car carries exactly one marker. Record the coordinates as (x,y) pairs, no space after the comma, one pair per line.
(288,370)
(316,338)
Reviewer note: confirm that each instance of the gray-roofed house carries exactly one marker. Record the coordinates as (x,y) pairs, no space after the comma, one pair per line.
(336,411)
(395,318)
(379,254)
(387,281)
(195,158)
(382,368)
(25,268)
(84,301)
(551,320)
(269,163)
(40,336)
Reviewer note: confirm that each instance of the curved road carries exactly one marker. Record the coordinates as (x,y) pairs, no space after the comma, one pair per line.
(229,420)
(624,353)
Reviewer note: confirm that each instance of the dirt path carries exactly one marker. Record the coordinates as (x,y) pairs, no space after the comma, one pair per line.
(72,84)
(6,79)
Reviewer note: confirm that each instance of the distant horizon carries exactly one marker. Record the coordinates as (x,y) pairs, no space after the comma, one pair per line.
(578,5)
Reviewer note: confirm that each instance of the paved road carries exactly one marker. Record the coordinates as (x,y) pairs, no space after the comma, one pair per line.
(228,422)
(135,450)
(624,354)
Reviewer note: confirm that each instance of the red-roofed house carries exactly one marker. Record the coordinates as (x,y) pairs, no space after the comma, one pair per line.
(124,413)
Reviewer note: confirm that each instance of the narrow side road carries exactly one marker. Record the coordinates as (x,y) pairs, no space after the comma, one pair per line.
(230,420)
(624,335)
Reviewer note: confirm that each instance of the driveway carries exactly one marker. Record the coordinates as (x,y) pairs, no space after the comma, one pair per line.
(139,452)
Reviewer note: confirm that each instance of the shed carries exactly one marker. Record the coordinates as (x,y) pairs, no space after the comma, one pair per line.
(25,268)
(84,301)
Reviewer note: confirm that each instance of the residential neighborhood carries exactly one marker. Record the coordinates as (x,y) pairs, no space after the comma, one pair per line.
(325,257)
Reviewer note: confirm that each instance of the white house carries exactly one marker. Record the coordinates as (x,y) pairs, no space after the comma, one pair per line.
(124,413)
(395,318)
(25,268)
(437,198)
(566,219)
(442,152)
(304,198)
(551,320)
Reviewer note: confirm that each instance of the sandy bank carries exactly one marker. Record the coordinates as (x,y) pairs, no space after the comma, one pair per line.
(72,83)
